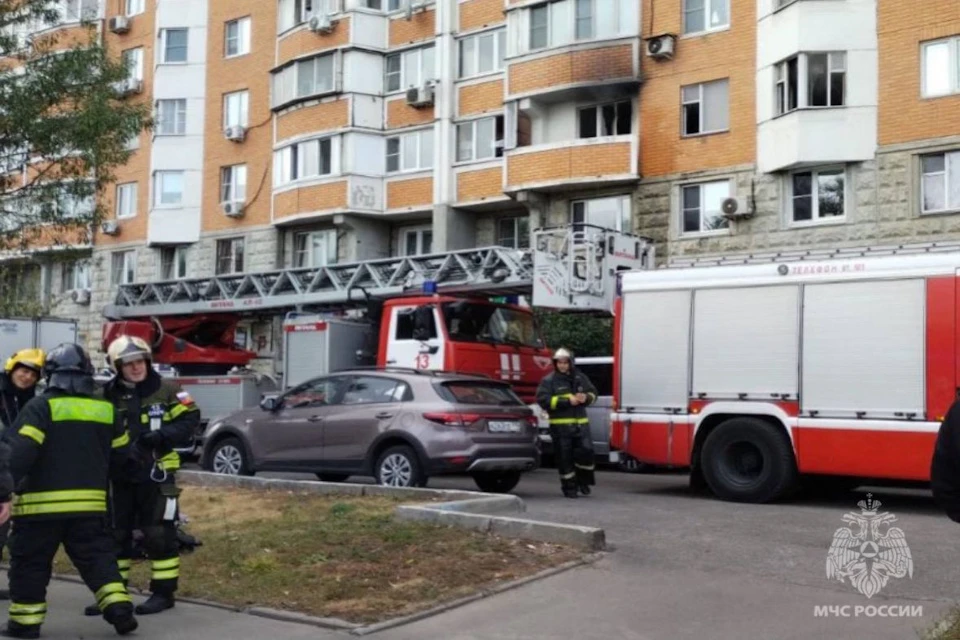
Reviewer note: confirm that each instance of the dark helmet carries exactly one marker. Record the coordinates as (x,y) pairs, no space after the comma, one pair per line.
(68,367)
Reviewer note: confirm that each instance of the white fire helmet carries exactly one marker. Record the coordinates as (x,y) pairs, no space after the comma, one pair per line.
(127,348)
(562,353)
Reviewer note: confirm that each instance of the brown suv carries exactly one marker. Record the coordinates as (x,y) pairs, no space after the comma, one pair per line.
(400,426)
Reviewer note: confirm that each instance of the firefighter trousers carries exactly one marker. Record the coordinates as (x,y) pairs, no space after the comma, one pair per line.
(573,448)
(152,508)
(87,541)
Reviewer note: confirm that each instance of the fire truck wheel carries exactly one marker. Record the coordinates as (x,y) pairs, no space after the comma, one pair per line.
(399,466)
(748,460)
(497,482)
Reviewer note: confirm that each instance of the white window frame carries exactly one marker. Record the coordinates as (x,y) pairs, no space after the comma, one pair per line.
(520,240)
(291,163)
(76,276)
(233,183)
(950,173)
(781,82)
(623,203)
(180,264)
(127,264)
(134,7)
(414,138)
(708,9)
(815,216)
(164,33)
(158,181)
(598,116)
(953,66)
(303,256)
(406,76)
(701,100)
(724,223)
(236,103)
(179,106)
(81,7)
(234,244)
(126,194)
(473,126)
(135,55)
(242,39)
(285,84)
(499,37)
(563,14)
(420,232)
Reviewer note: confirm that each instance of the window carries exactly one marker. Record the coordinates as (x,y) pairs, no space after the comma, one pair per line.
(236,37)
(123,267)
(74,205)
(567,21)
(810,80)
(706,107)
(173,45)
(303,160)
(700,205)
(370,390)
(302,79)
(608,213)
(410,69)
(77,10)
(126,200)
(482,53)
(236,109)
(315,248)
(76,275)
(614,119)
(229,256)
(133,62)
(233,183)
(705,15)
(941,67)
(480,139)
(173,263)
(416,242)
(169,188)
(315,393)
(816,195)
(171,117)
(134,7)
(410,151)
(940,182)
(514,232)
(539,27)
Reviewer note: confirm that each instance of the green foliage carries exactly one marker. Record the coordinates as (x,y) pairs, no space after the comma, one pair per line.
(63,129)
(585,335)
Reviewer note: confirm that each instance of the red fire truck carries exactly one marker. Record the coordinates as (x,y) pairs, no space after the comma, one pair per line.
(754,373)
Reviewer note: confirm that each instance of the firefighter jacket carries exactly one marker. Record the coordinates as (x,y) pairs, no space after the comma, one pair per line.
(554,394)
(63,449)
(12,400)
(945,465)
(155,406)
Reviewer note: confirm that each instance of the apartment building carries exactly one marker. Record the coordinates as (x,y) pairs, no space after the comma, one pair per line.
(298,133)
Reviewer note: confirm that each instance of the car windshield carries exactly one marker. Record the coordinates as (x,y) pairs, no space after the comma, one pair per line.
(479,393)
(479,322)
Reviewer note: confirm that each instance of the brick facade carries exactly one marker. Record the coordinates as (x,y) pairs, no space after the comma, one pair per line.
(587,65)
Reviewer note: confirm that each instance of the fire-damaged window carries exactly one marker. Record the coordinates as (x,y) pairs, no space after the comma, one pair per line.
(811,80)
(613,119)
(477,322)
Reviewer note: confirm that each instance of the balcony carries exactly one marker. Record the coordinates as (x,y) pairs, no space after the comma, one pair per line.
(817,136)
(561,74)
(572,164)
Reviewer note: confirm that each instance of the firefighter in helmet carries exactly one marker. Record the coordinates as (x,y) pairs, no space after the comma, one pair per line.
(65,445)
(565,394)
(18,386)
(160,417)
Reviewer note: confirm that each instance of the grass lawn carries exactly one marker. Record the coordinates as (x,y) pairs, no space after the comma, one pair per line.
(947,628)
(336,556)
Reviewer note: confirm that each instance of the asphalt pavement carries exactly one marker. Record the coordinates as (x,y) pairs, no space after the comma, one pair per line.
(681,565)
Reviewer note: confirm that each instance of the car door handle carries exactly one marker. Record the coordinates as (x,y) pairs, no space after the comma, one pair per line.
(383,415)
(315,419)
(391,362)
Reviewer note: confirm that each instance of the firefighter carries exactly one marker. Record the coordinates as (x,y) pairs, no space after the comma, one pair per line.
(64,446)
(18,385)
(565,394)
(160,417)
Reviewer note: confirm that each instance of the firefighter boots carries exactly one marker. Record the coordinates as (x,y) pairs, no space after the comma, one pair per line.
(156,603)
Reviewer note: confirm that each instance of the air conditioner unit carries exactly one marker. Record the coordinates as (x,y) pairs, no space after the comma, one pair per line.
(732,209)
(321,24)
(421,96)
(119,24)
(128,87)
(412,7)
(661,47)
(80,296)
(110,227)
(235,133)
(233,208)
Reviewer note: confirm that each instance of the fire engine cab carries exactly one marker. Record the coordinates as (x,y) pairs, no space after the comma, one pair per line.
(755,372)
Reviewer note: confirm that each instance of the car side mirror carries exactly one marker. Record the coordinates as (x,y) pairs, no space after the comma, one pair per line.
(270,403)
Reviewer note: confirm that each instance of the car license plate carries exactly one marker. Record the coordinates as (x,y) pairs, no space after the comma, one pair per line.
(500,426)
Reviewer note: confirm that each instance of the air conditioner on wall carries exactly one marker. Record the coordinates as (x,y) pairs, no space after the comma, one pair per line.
(110,227)
(421,96)
(80,296)
(119,24)
(661,47)
(233,208)
(321,24)
(235,133)
(733,209)
(128,86)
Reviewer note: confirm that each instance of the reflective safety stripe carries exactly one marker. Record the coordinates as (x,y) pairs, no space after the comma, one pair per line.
(169,563)
(592,395)
(170,462)
(587,467)
(29,615)
(69,501)
(178,411)
(567,476)
(60,507)
(80,409)
(33,433)
(555,400)
(569,420)
(124,563)
(121,441)
(19,607)
(62,496)
(112,593)
(165,569)
(107,589)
